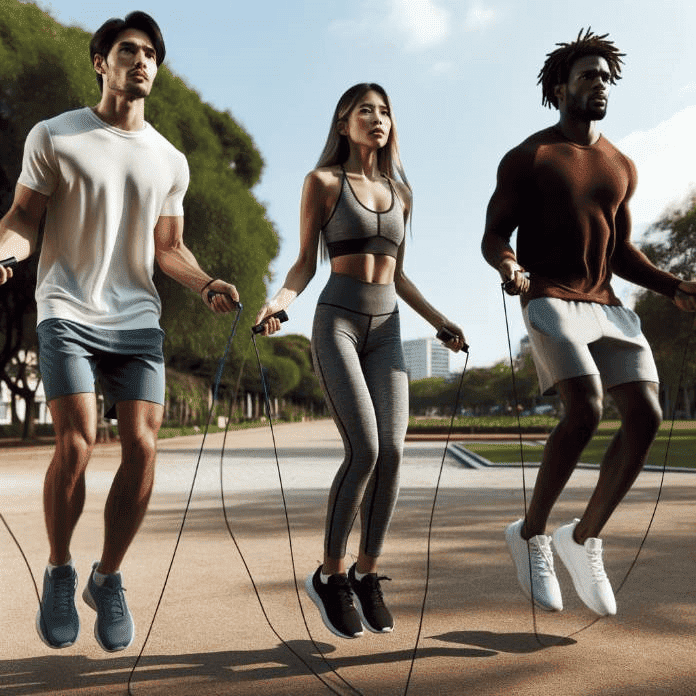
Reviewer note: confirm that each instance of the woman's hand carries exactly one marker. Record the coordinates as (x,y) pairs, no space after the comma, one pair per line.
(271,324)
(456,341)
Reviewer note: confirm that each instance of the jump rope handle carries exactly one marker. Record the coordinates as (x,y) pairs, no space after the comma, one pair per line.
(281,316)
(509,285)
(212,294)
(10,262)
(445,335)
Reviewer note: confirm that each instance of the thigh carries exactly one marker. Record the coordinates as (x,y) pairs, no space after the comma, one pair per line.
(66,363)
(387,380)
(139,422)
(559,335)
(337,338)
(75,415)
(133,368)
(623,354)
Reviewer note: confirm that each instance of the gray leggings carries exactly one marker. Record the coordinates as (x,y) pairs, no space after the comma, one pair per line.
(356,347)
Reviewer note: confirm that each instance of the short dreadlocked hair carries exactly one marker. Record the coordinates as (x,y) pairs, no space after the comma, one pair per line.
(556,69)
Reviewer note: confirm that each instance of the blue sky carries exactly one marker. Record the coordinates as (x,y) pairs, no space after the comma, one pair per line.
(462,78)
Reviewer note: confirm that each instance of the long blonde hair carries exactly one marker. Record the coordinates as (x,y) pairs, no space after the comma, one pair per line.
(337,148)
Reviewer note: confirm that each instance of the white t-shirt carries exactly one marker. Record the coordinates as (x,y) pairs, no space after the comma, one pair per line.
(107,188)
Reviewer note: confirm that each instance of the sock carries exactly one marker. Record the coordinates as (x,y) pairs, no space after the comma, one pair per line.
(99,578)
(323,578)
(359,576)
(52,567)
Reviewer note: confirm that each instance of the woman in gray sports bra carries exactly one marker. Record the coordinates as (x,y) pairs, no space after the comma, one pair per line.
(355,209)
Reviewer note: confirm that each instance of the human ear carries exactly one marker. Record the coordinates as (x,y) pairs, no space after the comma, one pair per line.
(342,127)
(99,61)
(560,92)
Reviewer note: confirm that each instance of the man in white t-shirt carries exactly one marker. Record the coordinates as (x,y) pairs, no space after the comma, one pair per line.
(112,189)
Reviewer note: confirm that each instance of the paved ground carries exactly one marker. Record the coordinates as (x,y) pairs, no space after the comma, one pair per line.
(478,635)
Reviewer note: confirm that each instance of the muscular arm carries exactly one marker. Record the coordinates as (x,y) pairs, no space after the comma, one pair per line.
(632,264)
(502,217)
(177,261)
(19,228)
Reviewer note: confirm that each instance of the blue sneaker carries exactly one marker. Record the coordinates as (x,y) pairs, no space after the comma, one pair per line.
(113,628)
(57,622)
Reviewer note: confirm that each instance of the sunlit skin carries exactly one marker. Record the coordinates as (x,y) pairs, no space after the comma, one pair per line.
(367,129)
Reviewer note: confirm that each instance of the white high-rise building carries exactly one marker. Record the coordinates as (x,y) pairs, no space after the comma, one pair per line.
(426,357)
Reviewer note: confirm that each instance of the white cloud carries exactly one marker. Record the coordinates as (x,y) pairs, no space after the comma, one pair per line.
(479,17)
(665,157)
(421,22)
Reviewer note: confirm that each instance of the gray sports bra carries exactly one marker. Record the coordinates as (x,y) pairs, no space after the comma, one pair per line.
(354,229)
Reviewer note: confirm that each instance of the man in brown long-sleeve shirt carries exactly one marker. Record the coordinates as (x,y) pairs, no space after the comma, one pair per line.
(566,191)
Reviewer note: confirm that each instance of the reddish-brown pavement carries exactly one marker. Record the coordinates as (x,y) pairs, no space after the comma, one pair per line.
(478,635)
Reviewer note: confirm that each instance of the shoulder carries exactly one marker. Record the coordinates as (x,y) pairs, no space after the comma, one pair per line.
(324,180)
(160,141)
(615,154)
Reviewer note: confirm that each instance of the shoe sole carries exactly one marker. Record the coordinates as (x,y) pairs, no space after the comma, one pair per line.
(577,585)
(311,592)
(89,601)
(365,622)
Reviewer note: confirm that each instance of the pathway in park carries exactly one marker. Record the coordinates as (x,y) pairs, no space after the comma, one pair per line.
(478,636)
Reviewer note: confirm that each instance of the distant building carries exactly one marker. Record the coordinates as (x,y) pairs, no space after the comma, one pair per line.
(426,357)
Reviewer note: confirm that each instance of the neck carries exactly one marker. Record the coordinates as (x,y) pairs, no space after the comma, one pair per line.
(124,112)
(363,161)
(578,131)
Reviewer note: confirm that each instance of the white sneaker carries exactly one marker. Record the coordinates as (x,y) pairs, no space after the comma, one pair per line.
(533,560)
(584,563)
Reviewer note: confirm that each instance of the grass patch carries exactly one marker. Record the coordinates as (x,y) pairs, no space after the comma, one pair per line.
(682,449)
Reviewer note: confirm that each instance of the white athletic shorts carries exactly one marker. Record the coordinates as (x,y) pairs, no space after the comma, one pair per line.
(574,339)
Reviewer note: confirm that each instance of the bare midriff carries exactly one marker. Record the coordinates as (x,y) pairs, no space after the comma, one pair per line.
(368,268)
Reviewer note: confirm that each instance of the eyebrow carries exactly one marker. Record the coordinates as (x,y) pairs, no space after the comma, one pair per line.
(595,71)
(129,43)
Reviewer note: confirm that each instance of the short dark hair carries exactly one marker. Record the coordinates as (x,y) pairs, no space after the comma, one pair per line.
(556,69)
(105,37)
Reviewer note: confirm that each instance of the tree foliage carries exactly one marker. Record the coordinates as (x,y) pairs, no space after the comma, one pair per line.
(671,246)
(45,70)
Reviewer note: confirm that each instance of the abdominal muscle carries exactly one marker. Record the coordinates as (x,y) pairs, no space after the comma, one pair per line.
(368,268)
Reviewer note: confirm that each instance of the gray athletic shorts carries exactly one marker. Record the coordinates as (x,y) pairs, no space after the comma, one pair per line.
(129,363)
(574,339)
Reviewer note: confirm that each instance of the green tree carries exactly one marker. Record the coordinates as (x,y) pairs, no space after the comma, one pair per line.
(671,246)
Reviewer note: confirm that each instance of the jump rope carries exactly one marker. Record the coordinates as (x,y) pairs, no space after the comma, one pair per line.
(443,335)
(508,288)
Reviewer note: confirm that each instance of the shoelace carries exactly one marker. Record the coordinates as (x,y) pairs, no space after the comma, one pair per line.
(542,558)
(373,587)
(344,594)
(114,600)
(594,558)
(64,589)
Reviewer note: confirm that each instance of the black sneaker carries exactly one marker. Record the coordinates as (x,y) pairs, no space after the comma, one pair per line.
(371,607)
(335,603)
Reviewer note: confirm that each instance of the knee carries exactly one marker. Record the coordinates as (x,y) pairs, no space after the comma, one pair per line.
(584,414)
(141,450)
(74,447)
(646,418)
